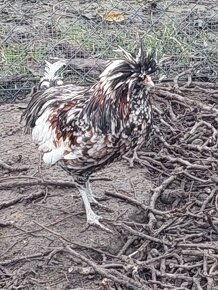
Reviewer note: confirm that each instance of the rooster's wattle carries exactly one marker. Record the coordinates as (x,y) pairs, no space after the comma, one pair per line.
(84,129)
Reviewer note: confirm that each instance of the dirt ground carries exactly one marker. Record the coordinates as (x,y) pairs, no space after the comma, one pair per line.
(61,211)
(162,212)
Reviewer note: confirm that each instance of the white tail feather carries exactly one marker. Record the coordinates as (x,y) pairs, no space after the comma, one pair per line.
(51,69)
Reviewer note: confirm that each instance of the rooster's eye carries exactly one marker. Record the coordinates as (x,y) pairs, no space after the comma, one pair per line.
(150,70)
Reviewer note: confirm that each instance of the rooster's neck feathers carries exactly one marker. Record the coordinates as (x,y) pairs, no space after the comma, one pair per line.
(120,90)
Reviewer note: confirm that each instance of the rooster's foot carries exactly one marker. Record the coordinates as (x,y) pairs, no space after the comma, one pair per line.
(94,219)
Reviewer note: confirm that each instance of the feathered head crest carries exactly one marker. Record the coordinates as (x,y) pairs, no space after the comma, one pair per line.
(129,68)
(143,60)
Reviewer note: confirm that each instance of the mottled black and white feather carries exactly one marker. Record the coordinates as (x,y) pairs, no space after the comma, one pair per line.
(86,128)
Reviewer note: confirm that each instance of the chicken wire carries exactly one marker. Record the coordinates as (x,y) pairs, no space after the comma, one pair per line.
(183,33)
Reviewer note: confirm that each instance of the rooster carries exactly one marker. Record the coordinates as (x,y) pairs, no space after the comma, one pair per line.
(85,129)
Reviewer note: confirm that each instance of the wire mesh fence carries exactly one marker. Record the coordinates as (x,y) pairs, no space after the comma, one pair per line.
(184,32)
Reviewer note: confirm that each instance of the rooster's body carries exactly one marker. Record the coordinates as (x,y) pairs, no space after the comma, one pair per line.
(85,129)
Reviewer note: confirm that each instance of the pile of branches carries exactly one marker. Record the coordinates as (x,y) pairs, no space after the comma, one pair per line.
(176,244)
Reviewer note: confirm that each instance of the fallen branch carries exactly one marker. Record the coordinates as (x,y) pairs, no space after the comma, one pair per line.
(116,276)
(185,101)
(28,198)
(34,181)
(142,235)
(10,168)
(158,190)
(25,258)
(137,203)
(40,182)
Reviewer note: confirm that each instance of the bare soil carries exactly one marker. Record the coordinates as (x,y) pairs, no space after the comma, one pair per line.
(162,212)
(58,208)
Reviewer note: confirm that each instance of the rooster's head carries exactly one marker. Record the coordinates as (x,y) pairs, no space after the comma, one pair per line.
(129,72)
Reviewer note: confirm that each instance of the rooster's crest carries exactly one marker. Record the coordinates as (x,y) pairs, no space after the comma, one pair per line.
(128,70)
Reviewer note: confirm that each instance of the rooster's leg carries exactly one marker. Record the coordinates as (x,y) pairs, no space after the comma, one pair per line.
(90,195)
(92,218)
(92,198)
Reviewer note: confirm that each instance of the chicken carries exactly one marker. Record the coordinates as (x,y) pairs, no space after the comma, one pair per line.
(85,129)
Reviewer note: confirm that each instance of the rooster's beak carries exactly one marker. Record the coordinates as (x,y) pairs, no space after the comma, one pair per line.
(148,81)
